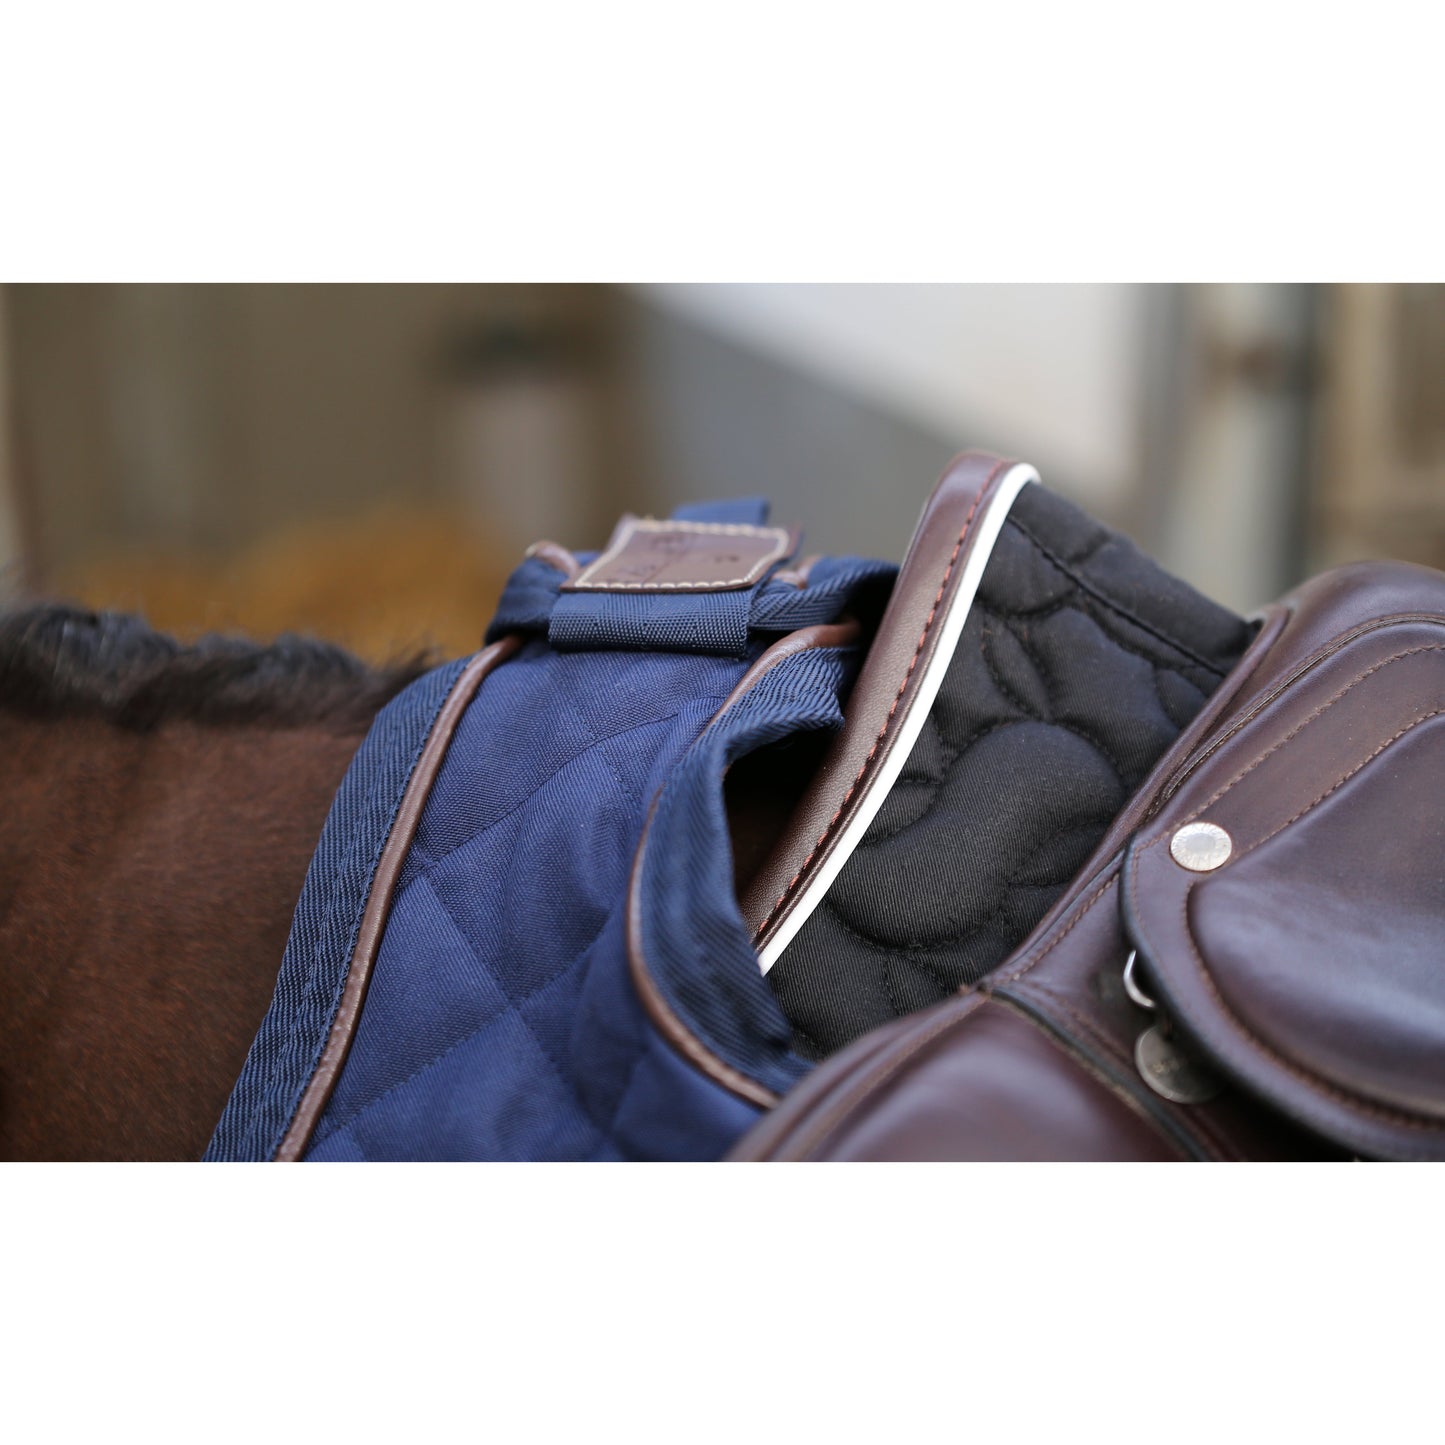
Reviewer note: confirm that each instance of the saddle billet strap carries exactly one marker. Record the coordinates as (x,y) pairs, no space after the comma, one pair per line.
(1055,663)
(1299,961)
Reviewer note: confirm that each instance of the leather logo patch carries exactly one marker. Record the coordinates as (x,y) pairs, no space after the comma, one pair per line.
(649,556)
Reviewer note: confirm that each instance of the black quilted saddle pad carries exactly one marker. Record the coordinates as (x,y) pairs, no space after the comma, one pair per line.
(1080,662)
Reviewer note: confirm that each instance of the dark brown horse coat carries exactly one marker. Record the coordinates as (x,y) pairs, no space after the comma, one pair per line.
(160,807)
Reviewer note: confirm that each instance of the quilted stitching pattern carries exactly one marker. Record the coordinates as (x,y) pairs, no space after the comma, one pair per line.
(1079,664)
(289,1042)
(467,1036)
(501,1020)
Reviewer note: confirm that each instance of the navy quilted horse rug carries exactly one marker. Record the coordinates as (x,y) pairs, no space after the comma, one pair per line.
(700,814)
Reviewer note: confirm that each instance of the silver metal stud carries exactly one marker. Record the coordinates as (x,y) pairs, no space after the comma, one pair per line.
(1201,847)
(1173,1071)
(1164,1060)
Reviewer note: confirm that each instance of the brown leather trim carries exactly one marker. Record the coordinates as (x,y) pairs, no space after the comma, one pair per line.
(646,555)
(970,1078)
(800,575)
(1289,760)
(844,633)
(1275,619)
(669,1025)
(884,691)
(846,1079)
(555,556)
(378,901)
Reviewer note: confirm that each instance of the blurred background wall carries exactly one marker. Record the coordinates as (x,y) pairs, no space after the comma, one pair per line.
(367,462)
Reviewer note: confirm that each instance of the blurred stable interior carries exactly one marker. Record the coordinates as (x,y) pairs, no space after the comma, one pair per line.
(368,462)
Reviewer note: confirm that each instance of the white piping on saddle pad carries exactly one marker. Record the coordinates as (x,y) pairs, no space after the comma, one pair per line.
(989,525)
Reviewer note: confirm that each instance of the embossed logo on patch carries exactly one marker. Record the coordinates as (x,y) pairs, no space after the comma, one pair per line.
(650,556)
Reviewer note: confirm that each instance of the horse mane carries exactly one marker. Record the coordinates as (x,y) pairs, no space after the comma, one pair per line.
(58,659)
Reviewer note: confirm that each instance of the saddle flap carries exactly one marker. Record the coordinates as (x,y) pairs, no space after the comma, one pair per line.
(1288,901)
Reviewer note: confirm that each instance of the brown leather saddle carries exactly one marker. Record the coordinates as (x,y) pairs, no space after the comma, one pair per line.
(1097,870)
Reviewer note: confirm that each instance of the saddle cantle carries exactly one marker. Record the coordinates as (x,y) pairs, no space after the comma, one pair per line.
(653,876)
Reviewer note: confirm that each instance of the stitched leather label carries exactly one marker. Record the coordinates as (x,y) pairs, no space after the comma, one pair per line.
(650,556)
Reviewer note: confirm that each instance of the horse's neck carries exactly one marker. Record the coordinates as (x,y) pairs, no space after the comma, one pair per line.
(147,882)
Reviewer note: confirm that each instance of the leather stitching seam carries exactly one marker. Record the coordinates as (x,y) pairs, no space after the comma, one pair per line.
(583,582)
(988,984)
(1344,778)
(1187,1118)
(892,711)
(1311,1081)
(1318,712)
(1109,1045)
(1226,1012)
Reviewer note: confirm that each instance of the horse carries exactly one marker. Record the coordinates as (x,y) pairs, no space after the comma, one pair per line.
(162,803)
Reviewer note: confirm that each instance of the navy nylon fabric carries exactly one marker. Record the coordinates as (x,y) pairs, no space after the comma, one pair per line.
(645,621)
(834,585)
(697,944)
(288,1044)
(693,622)
(501,1021)
(527,599)
(465,1048)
